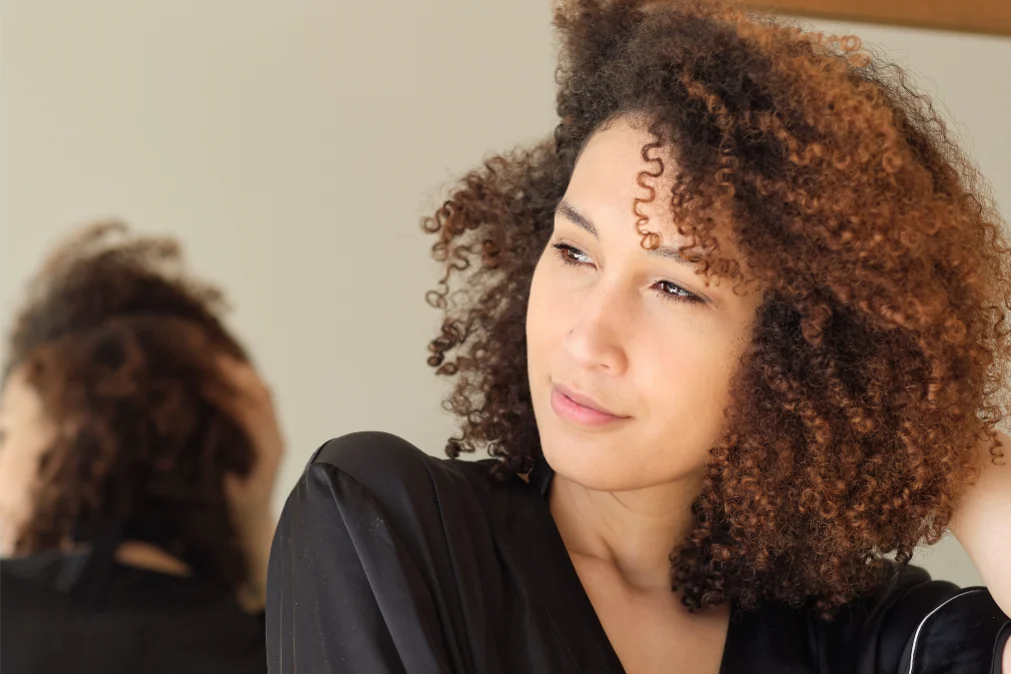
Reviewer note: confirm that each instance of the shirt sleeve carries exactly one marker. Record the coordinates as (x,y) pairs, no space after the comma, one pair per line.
(915,625)
(344,591)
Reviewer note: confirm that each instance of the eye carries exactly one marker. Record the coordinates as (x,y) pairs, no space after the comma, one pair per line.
(571,255)
(668,291)
(672,292)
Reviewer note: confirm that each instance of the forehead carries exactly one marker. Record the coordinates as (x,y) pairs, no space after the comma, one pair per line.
(611,161)
(614,184)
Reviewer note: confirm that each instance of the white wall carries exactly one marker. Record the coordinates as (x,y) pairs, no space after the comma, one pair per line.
(294,146)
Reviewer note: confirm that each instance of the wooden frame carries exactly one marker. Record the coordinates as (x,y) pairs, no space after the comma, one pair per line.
(974,16)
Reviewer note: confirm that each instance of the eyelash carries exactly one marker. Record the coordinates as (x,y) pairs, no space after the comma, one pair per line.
(565,254)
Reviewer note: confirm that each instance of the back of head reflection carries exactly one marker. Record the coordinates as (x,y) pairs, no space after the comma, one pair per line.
(134,516)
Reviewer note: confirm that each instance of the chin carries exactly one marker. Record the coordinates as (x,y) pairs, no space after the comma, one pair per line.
(593,463)
(618,461)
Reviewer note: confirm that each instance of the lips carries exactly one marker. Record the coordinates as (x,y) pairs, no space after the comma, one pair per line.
(586,401)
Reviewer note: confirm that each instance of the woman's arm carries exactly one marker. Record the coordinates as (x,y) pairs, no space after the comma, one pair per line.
(248,399)
(344,590)
(982,524)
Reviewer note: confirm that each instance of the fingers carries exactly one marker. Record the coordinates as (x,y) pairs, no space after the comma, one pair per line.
(245,391)
(250,402)
(242,376)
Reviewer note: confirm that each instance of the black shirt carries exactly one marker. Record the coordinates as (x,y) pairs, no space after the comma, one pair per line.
(389,560)
(140,622)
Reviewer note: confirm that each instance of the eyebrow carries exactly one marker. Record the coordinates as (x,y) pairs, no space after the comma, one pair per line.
(569,212)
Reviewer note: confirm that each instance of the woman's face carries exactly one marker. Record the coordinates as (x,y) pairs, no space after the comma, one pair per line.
(630,352)
(25,433)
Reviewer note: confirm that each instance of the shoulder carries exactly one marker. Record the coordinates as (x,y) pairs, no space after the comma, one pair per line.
(377,460)
(394,474)
(45,572)
(35,596)
(912,623)
(374,458)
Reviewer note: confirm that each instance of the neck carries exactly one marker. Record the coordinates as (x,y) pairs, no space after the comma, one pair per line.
(146,556)
(634,532)
(139,555)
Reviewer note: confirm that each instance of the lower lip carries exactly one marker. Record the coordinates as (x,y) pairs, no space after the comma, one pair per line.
(571,411)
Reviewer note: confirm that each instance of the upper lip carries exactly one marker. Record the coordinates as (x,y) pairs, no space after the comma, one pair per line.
(585,400)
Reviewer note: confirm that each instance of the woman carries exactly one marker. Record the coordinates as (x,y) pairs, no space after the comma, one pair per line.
(735,340)
(139,451)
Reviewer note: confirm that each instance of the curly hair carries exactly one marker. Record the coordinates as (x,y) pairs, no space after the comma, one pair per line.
(120,347)
(880,352)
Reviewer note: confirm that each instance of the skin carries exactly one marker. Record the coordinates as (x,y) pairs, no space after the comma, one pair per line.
(982,524)
(646,338)
(617,329)
(26,431)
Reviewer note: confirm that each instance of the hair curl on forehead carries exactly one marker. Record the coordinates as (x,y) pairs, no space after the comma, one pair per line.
(700,231)
(880,351)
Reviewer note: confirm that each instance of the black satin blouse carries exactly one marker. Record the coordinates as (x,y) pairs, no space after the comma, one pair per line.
(389,560)
(61,618)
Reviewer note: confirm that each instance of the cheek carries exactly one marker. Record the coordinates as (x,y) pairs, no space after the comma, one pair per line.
(546,318)
(688,388)
(18,477)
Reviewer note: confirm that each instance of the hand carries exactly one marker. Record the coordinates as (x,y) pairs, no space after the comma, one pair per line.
(249,401)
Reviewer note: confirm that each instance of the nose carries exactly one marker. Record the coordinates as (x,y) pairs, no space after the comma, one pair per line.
(597,339)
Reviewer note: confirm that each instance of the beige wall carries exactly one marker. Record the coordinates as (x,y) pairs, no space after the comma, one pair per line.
(293,147)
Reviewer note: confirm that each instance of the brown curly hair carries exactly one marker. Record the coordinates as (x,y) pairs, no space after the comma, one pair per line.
(880,352)
(120,346)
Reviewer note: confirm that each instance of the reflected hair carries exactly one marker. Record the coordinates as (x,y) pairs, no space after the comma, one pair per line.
(120,344)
